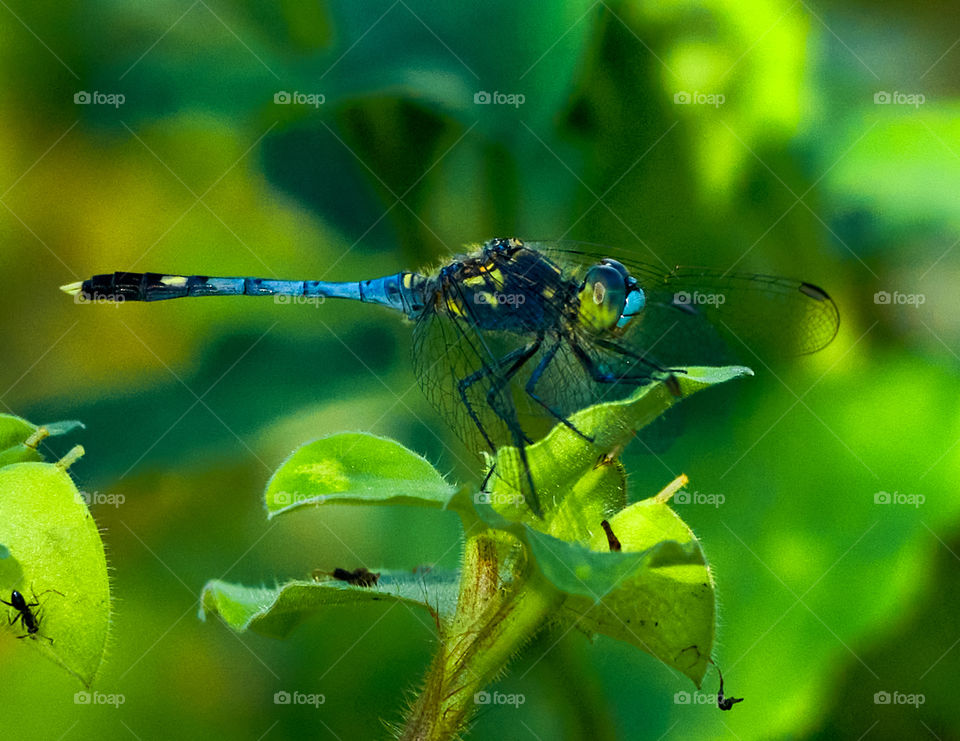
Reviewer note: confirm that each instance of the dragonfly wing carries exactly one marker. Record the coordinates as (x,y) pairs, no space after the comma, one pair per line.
(752,313)
(459,371)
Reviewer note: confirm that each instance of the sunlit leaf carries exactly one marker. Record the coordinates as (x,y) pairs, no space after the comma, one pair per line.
(19,439)
(563,459)
(657,593)
(355,468)
(47,528)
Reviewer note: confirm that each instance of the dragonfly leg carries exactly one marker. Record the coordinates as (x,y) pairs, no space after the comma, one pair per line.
(532,383)
(503,371)
(601,376)
(517,357)
(534,500)
(644,359)
(462,386)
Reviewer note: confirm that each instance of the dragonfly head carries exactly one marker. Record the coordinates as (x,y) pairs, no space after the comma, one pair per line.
(609,296)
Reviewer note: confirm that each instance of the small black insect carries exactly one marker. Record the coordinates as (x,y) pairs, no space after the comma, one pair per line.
(612,539)
(360,577)
(28,618)
(728,702)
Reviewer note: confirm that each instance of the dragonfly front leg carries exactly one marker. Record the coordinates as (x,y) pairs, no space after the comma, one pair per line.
(535,378)
(600,375)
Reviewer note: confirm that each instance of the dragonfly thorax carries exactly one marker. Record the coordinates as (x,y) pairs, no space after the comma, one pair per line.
(505,286)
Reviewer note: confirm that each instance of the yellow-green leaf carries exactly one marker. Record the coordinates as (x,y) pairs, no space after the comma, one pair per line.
(48,530)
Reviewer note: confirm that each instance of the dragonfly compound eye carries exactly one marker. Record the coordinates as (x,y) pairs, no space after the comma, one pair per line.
(603,297)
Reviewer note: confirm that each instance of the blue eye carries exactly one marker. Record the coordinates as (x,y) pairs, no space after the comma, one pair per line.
(633,306)
(602,297)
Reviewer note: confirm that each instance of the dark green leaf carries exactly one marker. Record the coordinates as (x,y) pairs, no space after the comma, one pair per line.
(275,611)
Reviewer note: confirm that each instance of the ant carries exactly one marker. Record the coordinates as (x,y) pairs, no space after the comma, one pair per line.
(361,577)
(725,703)
(29,619)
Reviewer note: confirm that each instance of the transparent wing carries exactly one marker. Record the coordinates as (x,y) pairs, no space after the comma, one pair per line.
(746,313)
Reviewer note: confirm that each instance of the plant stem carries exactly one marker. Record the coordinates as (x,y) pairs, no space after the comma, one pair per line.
(494,618)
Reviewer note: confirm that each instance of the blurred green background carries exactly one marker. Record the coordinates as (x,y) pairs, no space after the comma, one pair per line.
(834,157)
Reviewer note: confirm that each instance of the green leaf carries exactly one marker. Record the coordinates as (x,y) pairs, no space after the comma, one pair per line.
(47,528)
(562,459)
(276,611)
(355,468)
(657,594)
(19,439)
(11,572)
(594,497)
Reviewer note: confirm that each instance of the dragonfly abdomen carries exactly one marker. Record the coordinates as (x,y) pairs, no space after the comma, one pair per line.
(158,287)
(402,291)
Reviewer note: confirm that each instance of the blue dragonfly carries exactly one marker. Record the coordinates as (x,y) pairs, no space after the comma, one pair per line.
(513,337)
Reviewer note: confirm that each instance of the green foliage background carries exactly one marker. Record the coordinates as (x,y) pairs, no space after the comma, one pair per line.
(826,597)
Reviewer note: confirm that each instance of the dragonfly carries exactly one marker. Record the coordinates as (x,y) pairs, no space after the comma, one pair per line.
(512,337)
